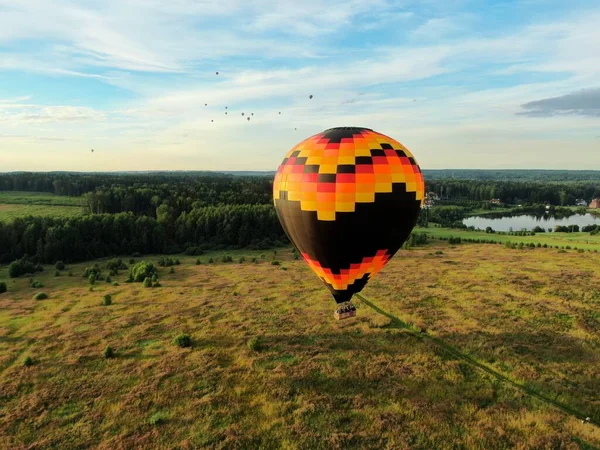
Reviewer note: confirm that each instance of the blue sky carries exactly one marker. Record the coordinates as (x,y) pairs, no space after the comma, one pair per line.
(463,84)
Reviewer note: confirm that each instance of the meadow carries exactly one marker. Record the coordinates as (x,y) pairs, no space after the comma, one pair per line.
(21,204)
(269,367)
(573,240)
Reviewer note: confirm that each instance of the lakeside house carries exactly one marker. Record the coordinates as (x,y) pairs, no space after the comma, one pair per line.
(580,202)
(595,204)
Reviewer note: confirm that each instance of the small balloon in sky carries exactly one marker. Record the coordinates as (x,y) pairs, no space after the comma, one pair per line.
(217,73)
(248,118)
(310,96)
(242,114)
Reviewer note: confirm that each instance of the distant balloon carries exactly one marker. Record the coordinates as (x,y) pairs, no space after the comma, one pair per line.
(225,112)
(248,118)
(92,150)
(279,112)
(217,73)
(348,198)
(242,114)
(226,107)
(252,113)
(310,96)
(211,120)
(206,104)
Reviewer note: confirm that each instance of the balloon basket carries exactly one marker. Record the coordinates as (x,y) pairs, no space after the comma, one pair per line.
(345,311)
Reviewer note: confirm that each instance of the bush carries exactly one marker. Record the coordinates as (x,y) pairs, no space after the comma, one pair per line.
(226,258)
(40,296)
(3,287)
(182,340)
(165,262)
(177,262)
(92,279)
(57,273)
(37,284)
(23,266)
(115,264)
(108,279)
(156,284)
(147,282)
(210,260)
(141,271)
(28,362)
(198,261)
(254,260)
(254,344)
(107,300)
(109,352)
(275,262)
(115,283)
(242,260)
(131,261)
(172,270)
(194,251)
(157,418)
(70,273)
(92,270)
(59,265)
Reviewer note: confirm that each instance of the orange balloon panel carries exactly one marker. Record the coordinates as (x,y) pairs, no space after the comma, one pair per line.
(348,198)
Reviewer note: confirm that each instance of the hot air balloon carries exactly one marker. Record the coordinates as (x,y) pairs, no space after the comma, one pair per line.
(242,114)
(248,118)
(348,198)
(92,150)
(310,96)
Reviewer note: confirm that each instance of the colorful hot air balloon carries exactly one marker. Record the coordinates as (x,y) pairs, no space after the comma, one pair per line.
(348,198)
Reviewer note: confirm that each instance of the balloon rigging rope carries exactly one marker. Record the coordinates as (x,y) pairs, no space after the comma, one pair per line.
(399,324)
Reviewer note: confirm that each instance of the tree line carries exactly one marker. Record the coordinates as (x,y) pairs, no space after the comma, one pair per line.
(47,240)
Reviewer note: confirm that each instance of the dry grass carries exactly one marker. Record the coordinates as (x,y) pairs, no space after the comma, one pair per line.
(315,382)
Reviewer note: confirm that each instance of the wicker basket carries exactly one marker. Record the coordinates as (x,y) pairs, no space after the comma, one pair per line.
(340,316)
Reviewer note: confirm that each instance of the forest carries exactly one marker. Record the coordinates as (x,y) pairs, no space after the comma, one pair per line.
(171,212)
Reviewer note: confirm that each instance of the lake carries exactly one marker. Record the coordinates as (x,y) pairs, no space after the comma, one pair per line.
(517,223)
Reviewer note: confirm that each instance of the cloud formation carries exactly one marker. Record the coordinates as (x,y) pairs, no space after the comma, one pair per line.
(585,102)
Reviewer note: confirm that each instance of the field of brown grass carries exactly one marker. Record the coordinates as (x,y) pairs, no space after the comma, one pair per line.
(531,315)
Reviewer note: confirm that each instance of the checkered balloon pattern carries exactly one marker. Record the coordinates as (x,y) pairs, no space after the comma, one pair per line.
(348,198)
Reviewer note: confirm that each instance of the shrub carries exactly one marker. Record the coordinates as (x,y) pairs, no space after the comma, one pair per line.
(226,258)
(57,273)
(115,283)
(254,344)
(136,255)
(275,262)
(172,270)
(70,273)
(108,279)
(147,282)
(165,262)
(194,251)
(91,289)
(92,270)
(131,261)
(254,260)
(283,268)
(107,300)
(3,287)
(177,262)
(40,296)
(109,352)
(580,250)
(28,362)
(156,284)
(242,260)
(23,266)
(114,265)
(92,279)
(182,340)
(198,262)
(37,284)
(210,260)
(59,265)
(157,418)
(141,271)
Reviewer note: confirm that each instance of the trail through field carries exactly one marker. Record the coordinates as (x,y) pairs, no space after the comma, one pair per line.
(421,335)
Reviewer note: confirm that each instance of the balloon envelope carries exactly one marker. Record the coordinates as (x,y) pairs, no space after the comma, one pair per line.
(348,198)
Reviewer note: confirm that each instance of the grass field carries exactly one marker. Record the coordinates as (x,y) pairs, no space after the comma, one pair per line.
(531,315)
(579,240)
(21,204)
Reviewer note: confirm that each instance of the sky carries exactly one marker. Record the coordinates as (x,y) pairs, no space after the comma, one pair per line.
(463,84)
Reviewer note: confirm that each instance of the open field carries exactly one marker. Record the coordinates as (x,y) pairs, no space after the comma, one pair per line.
(37,198)
(579,240)
(531,315)
(22,204)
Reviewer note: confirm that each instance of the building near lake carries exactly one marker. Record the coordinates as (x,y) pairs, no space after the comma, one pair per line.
(595,204)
